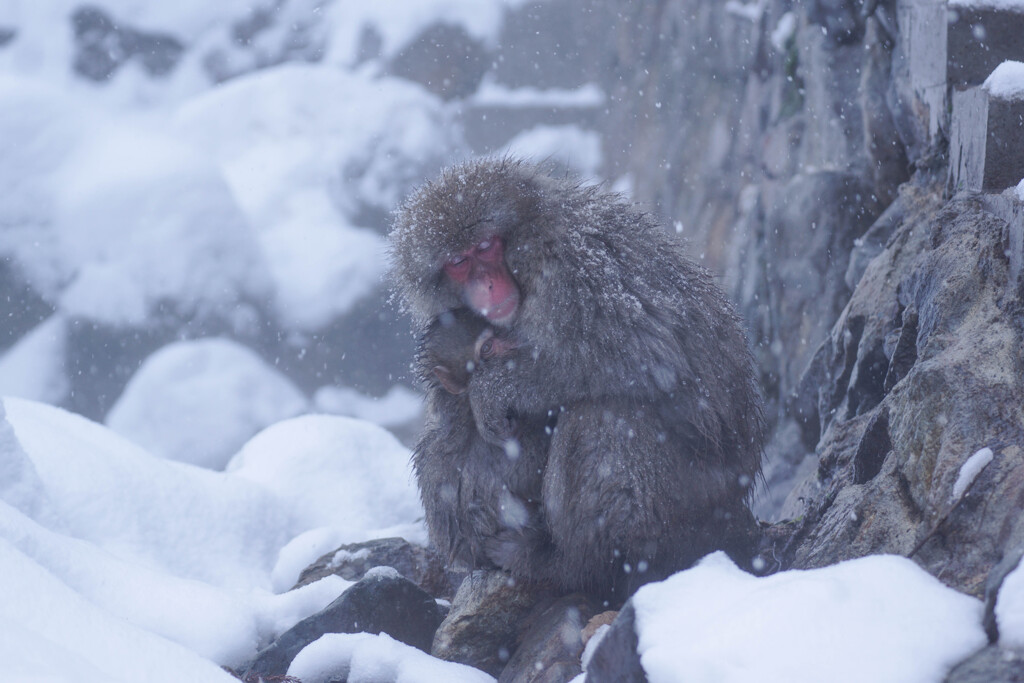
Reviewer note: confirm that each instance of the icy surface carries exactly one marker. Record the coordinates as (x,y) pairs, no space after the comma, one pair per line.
(970,470)
(877,619)
(200,401)
(1007,80)
(1010,608)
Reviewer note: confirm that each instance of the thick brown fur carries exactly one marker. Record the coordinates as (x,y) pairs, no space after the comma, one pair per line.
(659,434)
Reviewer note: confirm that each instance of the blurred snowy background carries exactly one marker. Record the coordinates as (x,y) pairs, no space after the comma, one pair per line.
(194,198)
(193,202)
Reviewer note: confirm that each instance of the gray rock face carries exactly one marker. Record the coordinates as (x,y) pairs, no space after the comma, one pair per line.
(377,604)
(992,665)
(922,370)
(552,642)
(487,616)
(103,45)
(616,659)
(420,565)
(445,59)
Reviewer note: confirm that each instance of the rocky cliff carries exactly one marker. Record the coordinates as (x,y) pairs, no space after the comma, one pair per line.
(806,150)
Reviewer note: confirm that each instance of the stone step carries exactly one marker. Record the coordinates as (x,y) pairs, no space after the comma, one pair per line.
(986,149)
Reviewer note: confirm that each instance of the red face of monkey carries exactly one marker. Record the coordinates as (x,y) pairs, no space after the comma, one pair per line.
(487,286)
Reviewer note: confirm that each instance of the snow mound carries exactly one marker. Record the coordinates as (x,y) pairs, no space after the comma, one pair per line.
(307,169)
(144,223)
(199,524)
(33,367)
(336,471)
(1007,80)
(200,401)
(116,560)
(38,125)
(879,619)
(366,658)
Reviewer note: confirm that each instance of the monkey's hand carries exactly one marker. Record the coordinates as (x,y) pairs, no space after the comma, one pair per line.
(495,423)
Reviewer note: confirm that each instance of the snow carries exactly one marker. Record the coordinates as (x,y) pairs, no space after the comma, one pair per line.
(877,619)
(200,401)
(145,220)
(750,11)
(491,93)
(306,169)
(1007,80)
(399,406)
(121,560)
(31,368)
(306,458)
(969,471)
(578,149)
(1004,5)
(784,31)
(1020,190)
(1010,608)
(366,658)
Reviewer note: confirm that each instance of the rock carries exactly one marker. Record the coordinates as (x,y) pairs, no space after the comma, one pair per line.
(917,376)
(199,401)
(444,59)
(268,34)
(616,659)
(918,89)
(487,616)
(103,45)
(986,139)
(991,665)
(382,602)
(551,642)
(531,33)
(420,565)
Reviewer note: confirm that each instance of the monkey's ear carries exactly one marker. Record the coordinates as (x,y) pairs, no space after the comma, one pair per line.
(448,380)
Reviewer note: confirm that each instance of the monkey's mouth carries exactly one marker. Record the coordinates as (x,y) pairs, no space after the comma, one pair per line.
(504,310)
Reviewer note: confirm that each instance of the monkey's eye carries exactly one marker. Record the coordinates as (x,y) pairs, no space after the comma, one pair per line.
(487,348)
(457,266)
(485,246)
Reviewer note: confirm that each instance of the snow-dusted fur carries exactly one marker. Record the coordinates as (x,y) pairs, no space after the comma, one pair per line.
(659,439)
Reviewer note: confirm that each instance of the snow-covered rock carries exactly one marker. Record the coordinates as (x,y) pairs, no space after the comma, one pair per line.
(335,471)
(878,618)
(200,401)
